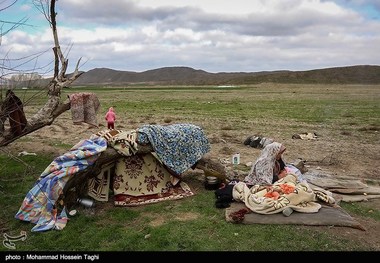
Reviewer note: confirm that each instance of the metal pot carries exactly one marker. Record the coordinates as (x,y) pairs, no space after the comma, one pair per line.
(212,183)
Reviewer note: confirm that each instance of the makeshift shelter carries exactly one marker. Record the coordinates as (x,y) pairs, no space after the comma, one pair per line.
(136,180)
(148,164)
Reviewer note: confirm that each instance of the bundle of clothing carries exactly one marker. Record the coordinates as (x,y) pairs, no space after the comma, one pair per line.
(287,192)
(258,141)
(12,108)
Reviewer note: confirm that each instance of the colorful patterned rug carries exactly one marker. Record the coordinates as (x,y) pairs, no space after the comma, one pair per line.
(143,179)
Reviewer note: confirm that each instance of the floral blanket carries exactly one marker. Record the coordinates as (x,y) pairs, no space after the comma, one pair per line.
(142,179)
(178,146)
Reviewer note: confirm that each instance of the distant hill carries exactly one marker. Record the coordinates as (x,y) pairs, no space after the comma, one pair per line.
(361,74)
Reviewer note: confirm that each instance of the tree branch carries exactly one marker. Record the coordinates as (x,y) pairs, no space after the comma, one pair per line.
(53,107)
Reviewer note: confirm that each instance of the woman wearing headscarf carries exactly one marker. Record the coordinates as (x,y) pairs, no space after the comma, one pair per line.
(269,167)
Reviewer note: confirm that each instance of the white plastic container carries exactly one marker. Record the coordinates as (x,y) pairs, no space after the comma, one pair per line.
(236,158)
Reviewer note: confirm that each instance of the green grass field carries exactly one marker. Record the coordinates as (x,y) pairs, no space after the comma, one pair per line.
(193,223)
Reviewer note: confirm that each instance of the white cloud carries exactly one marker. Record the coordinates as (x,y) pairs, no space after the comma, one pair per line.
(213,35)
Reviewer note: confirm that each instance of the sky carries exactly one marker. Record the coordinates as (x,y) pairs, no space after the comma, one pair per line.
(211,35)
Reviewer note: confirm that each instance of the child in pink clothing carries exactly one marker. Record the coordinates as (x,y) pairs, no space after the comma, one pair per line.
(110,118)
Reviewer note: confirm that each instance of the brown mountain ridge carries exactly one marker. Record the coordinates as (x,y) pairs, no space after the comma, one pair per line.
(359,74)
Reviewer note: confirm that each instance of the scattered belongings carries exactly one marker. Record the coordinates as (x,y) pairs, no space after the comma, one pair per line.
(305,136)
(314,201)
(257,141)
(23,153)
(287,211)
(346,189)
(86,202)
(236,158)
(300,164)
(73,212)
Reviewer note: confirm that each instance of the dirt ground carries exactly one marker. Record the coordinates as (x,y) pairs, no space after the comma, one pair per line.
(340,157)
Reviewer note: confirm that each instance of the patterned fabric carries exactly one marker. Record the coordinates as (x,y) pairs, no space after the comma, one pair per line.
(39,205)
(142,179)
(84,108)
(286,192)
(123,142)
(108,134)
(264,168)
(98,187)
(178,146)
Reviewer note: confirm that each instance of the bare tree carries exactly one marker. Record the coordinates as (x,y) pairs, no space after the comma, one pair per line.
(53,106)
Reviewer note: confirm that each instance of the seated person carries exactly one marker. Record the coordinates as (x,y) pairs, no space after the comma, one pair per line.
(270,166)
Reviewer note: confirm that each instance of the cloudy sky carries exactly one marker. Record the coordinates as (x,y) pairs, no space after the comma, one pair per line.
(212,35)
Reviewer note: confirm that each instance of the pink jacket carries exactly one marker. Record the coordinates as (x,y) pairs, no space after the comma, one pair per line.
(110,116)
